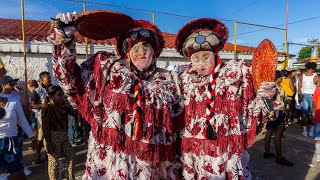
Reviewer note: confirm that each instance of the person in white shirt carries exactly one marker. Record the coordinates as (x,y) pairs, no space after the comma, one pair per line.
(306,87)
(10,151)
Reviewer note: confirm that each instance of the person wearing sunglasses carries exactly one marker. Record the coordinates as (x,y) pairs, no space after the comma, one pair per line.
(132,105)
(10,151)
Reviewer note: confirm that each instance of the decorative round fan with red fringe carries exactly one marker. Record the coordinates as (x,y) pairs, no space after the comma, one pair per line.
(264,63)
(103,24)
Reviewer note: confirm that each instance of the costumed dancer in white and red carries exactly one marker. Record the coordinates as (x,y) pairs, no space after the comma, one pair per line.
(131,104)
(221,108)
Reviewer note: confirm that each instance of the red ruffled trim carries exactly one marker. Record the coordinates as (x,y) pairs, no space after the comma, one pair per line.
(222,106)
(160,118)
(121,143)
(84,106)
(232,144)
(193,110)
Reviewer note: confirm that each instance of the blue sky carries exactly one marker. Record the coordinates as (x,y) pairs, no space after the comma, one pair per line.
(266,12)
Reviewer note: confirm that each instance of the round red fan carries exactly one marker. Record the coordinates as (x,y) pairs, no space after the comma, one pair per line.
(264,63)
(103,24)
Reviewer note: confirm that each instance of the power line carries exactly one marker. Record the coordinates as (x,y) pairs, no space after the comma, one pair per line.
(304,20)
(240,9)
(193,17)
(295,22)
(143,10)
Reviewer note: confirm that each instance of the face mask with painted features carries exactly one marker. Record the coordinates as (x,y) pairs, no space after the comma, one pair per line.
(203,62)
(141,56)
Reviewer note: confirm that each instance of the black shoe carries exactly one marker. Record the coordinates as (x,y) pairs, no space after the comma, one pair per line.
(283,161)
(268,155)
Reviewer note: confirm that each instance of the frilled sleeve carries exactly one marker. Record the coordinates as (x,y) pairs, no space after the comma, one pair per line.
(257,110)
(249,105)
(260,110)
(84,83)
(263,111)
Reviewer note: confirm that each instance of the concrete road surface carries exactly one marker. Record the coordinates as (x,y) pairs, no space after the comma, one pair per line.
(296,148)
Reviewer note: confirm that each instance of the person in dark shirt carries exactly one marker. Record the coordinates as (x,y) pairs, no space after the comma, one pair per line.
(55,131)
(35,105)
(35,97)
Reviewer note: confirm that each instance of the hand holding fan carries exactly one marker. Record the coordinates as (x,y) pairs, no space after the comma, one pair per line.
(96,24)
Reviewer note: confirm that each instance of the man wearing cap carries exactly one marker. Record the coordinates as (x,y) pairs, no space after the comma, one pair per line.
(10,150)
(131,104)
(221,110)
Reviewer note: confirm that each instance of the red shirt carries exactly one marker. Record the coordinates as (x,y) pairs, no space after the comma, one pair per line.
(316,99)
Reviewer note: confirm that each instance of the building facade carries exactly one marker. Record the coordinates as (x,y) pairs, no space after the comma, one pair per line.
(38,50)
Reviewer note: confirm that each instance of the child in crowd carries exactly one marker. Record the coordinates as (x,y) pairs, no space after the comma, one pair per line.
(72,126)
(35,105)
(55,131)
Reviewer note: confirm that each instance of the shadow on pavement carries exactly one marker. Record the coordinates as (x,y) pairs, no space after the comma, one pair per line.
(40,171)
(296,148)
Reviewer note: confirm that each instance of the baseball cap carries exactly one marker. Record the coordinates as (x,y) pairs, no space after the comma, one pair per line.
(7,79)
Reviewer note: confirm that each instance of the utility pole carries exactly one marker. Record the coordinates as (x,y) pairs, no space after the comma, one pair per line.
(286,38)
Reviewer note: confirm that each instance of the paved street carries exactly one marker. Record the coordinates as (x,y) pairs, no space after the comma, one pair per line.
(40,171)
(296,148)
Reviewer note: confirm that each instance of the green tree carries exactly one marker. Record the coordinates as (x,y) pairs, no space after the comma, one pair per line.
(305,52)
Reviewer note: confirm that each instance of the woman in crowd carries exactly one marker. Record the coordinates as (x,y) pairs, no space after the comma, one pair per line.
(308,83)
(289,90)
(10,150)
(277,126)
(55,131)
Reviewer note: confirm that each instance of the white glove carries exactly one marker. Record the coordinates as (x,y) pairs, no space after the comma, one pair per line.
(66,18)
